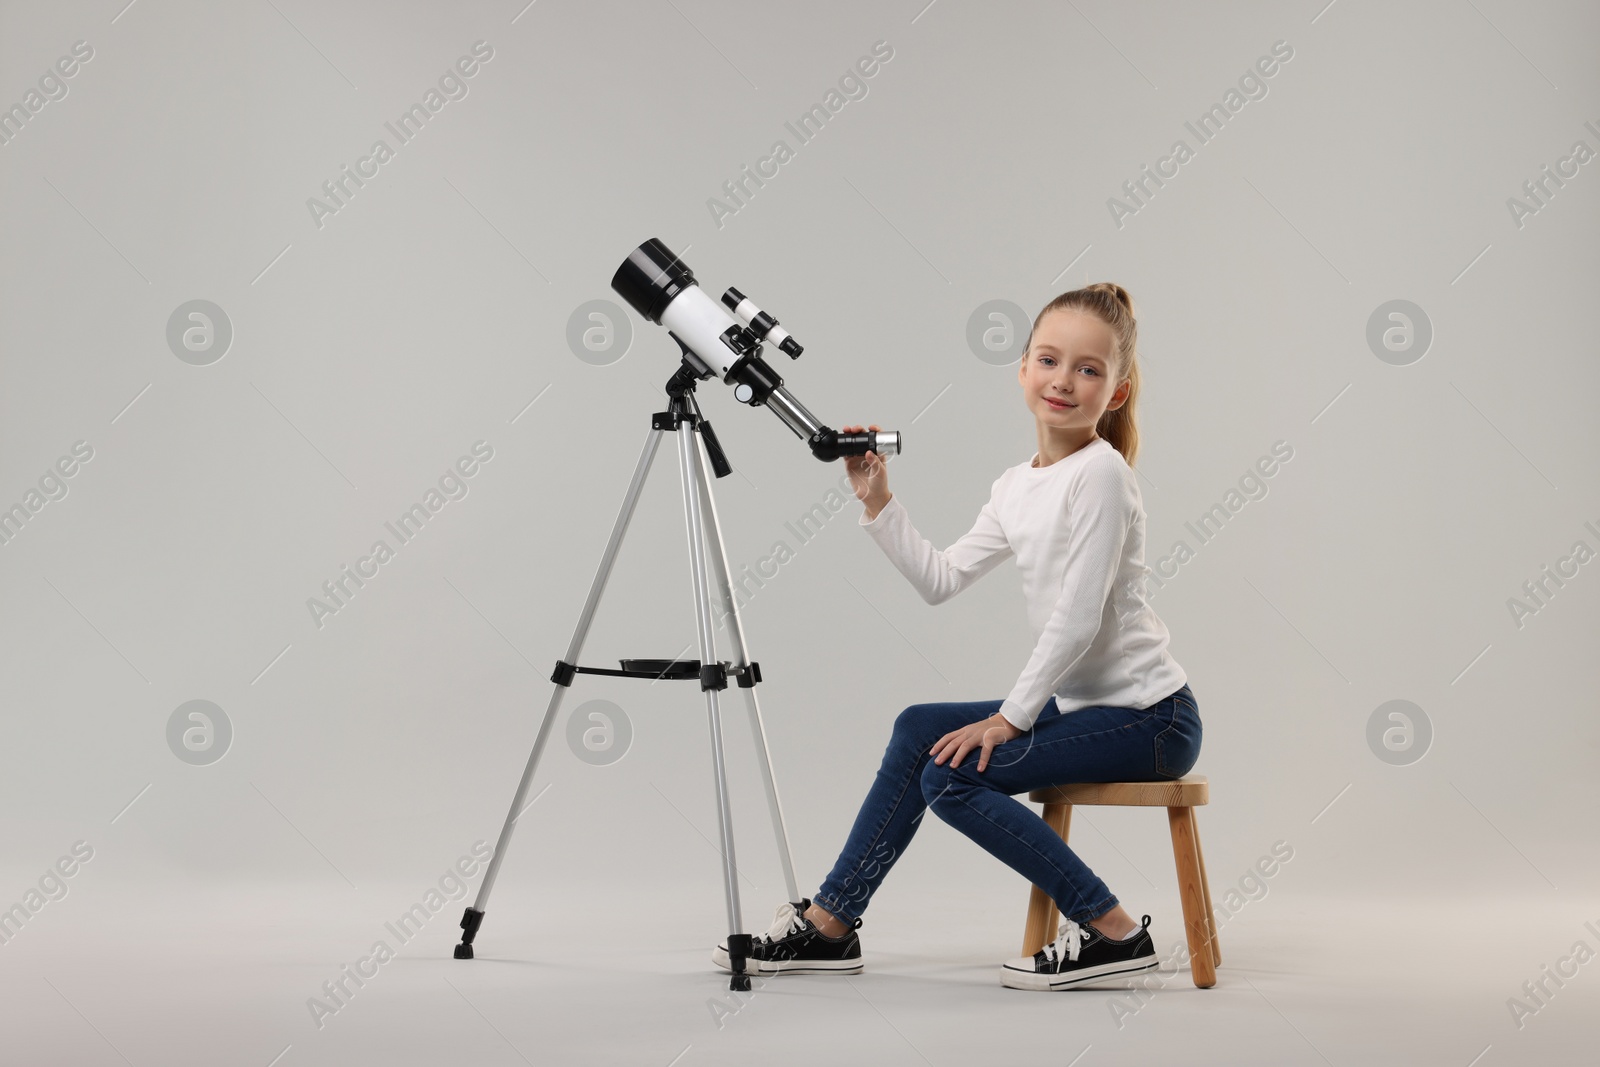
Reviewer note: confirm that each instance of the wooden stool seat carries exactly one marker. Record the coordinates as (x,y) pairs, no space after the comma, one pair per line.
(1180,797)
(1181,793)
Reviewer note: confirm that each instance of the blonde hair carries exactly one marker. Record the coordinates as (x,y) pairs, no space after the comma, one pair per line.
(1111,304)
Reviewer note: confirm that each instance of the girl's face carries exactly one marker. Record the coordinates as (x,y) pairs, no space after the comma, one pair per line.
(1067,372)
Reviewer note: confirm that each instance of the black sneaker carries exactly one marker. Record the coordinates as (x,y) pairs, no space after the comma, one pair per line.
(1079,956)
(794,945)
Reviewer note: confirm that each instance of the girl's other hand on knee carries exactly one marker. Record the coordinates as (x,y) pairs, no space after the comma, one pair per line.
(983,735)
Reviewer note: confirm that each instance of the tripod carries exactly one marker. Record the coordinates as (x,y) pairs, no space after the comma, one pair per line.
(683,417)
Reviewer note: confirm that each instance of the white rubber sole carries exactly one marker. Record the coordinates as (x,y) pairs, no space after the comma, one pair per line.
(1013,976)
(719,956)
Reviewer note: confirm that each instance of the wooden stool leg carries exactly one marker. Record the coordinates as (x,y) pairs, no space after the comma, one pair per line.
(1205,887)
(1042,912)
(1181,821)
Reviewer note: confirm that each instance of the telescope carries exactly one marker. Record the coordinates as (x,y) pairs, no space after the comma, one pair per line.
(724,340)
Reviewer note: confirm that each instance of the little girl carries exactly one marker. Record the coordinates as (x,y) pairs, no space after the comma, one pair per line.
(1100,698)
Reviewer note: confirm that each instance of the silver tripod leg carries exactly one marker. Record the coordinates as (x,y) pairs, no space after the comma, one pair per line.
(474,916)
(741,658)
(689,465)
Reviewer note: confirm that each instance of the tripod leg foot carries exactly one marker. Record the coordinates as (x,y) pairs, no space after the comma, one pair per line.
(738,954)
(470,921)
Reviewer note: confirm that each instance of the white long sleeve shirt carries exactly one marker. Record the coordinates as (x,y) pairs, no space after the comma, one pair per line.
(1076,528)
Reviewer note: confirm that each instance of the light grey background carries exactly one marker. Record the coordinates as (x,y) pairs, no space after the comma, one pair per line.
(431,312)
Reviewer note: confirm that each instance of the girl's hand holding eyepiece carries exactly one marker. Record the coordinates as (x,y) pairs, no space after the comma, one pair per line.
(868,476)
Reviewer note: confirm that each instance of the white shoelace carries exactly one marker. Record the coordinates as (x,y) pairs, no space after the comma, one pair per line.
(1069,937)
(785,921)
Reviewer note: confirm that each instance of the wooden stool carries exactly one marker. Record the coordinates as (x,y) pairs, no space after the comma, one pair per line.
(1180,797)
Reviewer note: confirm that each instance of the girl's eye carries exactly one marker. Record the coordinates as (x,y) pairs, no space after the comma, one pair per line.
(1091,370)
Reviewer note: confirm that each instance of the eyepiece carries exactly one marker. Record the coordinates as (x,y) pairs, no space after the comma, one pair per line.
(828,445)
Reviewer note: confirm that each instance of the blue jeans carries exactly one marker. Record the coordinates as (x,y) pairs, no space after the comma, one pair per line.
(1094,744)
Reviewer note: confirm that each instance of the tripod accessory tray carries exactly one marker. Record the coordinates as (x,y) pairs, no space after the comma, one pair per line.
(711,675)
